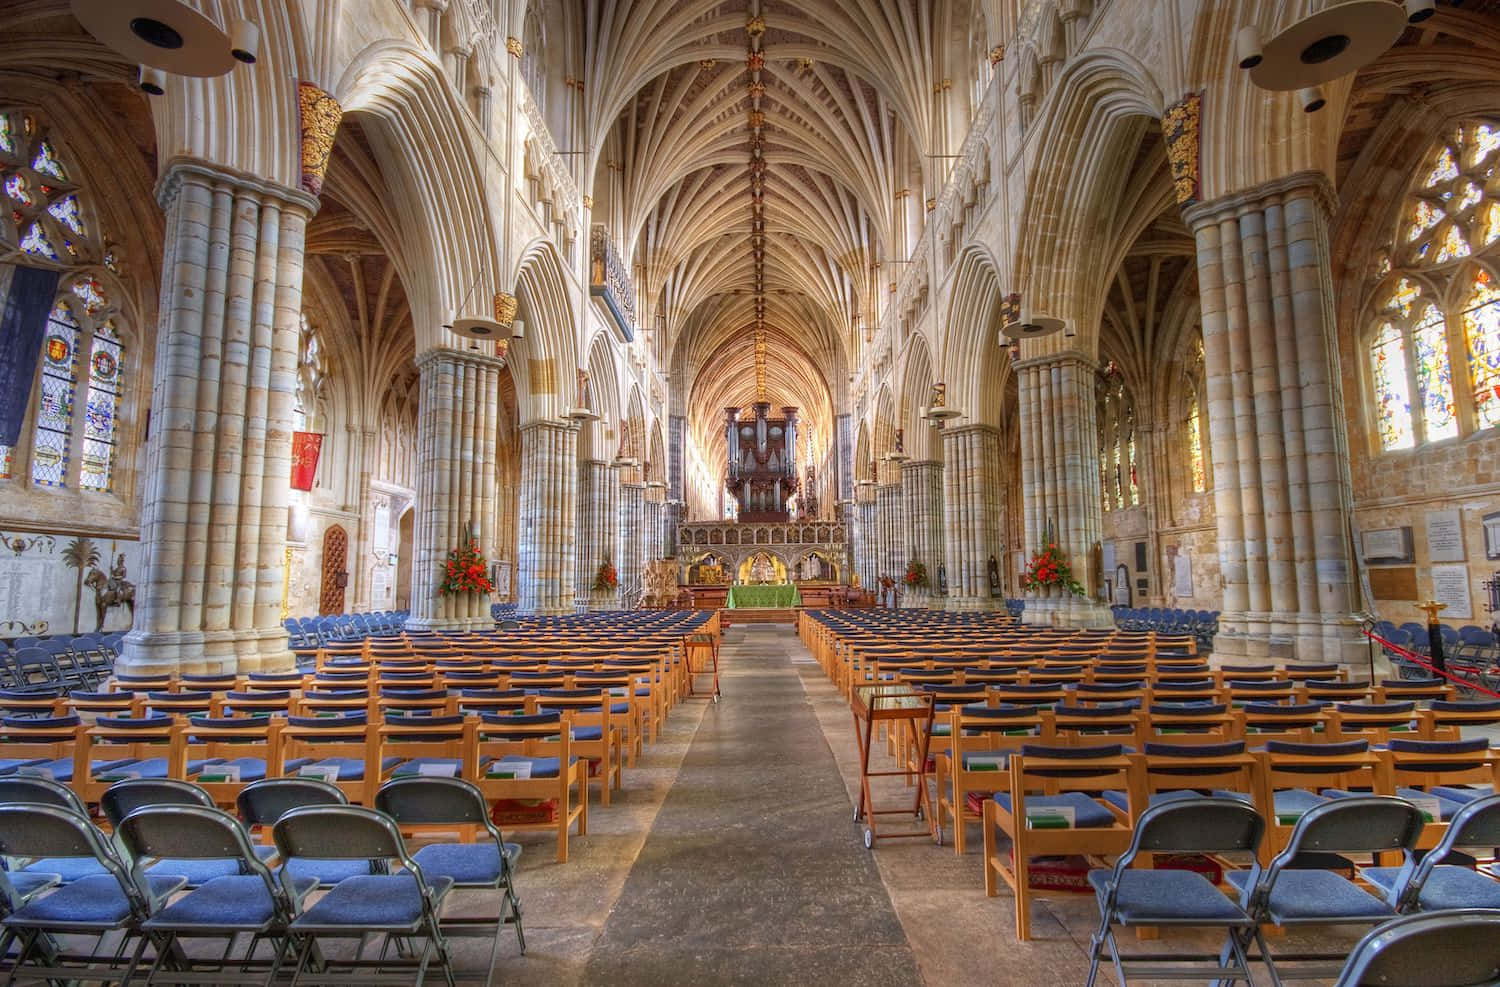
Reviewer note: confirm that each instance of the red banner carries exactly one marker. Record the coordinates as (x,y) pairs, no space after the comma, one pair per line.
(305,449)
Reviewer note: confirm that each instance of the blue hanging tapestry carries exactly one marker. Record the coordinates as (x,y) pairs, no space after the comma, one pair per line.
(22,321)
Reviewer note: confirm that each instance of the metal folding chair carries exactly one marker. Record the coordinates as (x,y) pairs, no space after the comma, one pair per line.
(1447,949)
(489,862)
(389,907)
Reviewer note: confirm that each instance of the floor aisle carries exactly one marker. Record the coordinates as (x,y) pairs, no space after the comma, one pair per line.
(749,873)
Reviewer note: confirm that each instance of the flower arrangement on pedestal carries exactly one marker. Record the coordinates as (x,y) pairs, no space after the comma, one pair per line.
(916,574)
(466,571)
(606,579)
(1049,568)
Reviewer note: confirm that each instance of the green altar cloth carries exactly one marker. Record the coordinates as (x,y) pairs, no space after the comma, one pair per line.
(778,595)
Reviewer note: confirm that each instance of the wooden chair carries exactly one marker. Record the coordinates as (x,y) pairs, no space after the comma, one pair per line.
(538,747)
(595,735)
(975,760)
(1045,784)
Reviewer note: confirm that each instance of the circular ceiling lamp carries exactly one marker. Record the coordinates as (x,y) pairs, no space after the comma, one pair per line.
(1337,40)
(485,328)
(1032,325)
(168,35)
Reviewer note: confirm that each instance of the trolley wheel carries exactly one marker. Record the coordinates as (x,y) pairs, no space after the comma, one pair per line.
(938,836)
(869,839)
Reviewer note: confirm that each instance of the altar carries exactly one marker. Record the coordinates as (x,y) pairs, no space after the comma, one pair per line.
(774,595)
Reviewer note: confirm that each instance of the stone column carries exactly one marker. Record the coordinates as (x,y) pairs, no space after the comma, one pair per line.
(922,498)
(218,461)
(457,416)
(890,522)
(1282,494)
(545,546)
(369,451)
(866,544)
(655,524)
(1060,481)
(632,541)
(972,497)
(598,528)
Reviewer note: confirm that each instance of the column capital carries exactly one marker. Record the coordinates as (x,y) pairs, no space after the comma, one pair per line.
(446,354)
(1298,183)
(960,431)
(1063,358)
(183,169)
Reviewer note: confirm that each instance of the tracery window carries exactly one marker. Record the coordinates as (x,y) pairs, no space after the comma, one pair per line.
(83,346)
(1117,446)
(1434,347)
(1197,470)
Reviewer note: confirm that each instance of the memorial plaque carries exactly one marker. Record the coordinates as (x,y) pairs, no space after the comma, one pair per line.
(1450,585)
(1394,584)
(1445,536)
(1386,545)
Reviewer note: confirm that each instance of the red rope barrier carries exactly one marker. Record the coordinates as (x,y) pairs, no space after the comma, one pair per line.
(1415,659)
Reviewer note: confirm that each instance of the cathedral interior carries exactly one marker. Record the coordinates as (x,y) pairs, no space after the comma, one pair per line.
(815,347)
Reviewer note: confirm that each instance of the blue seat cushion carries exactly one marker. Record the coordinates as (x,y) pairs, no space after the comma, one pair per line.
(353,768)
(1446,887)
(199,871)
(92,902)
(466,864)
(588,733)
(1446,807)
(1293,803)
(27,883)
(252,768)
(541,767)
(372,902)
(326,872)
(61,769)
(1463,794)
(1087,813)
(1167,897)
(67,869)
(1313,896)
(1121,800)
(414,766)
(9,765)
(231,901)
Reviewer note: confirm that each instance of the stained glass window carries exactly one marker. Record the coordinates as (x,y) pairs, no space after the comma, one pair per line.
(1195,447)
(105,368)
(1392,390)
(54,411)
(1434,376)
(83,350)
(1481,322)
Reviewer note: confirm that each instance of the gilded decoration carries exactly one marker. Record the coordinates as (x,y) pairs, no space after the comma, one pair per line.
(505,308)
(319,115)
(513,45)
(1180,126)
(997,54)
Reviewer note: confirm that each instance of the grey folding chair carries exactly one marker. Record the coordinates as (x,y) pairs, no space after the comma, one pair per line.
(1432,885)
(124,797)
(26,789)
(1137,897)
(92,908)
(1287,895)
(264,802)
(1459,948)
(247,902)
(488,863)
(391,908)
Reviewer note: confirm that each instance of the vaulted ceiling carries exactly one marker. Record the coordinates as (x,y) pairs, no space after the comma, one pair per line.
(749,158)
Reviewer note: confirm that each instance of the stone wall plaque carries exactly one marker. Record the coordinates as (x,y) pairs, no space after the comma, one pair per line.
(1492,535)
(1450,585)
(1394,584)
(1182,575)
(1386,545)
(1445,536)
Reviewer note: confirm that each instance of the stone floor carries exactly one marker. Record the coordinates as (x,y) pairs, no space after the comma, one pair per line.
(732,858)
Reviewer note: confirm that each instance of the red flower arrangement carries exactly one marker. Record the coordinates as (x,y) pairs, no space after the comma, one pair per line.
(916,574)
(466,571)
(1049,568)
(606,578)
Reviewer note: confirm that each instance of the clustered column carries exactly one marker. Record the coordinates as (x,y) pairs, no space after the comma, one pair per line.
(1060,481)
(890,524)
(218,462)
(866,541)
(654,523)
(598,527)
(1281,484)
(457,420)
(972,507)
(922,497)
(632,541)
(549,501)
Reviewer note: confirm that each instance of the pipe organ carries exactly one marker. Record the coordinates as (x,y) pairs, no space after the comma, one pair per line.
(762,473)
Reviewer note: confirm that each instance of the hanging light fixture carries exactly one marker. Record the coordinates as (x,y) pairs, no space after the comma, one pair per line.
(168,35)
(1021,322)
(1335,41)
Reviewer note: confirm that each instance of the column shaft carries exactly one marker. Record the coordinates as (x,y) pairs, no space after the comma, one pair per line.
(972,513)
(546,550)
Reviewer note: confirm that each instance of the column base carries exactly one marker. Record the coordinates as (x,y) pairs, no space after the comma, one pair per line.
(1073,612)
(972,604)
(205,652)
(1297,637)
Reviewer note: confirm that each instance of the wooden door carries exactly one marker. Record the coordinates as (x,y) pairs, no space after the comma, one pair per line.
(335,570)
